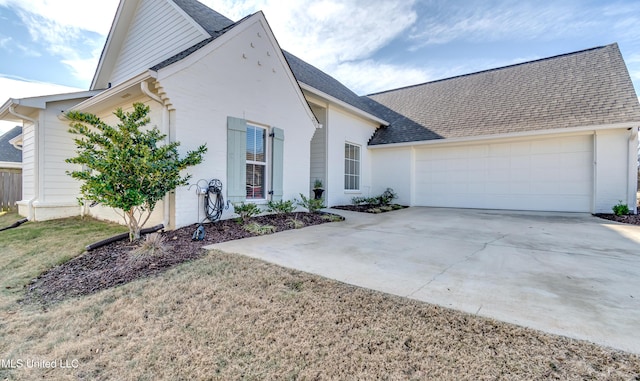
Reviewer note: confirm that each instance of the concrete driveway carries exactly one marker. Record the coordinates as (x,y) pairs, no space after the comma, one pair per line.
(570,274)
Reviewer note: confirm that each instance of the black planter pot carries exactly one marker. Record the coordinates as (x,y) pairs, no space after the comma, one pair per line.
(317,192)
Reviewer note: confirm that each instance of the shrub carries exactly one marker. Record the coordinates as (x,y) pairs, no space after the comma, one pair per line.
(620,209)
(384,199)
(246,210)
(127,167)
(152,244)
(294,223)
(280,207)
(387,196)
(332,217)
(311,204)
(258,229)
(364,200)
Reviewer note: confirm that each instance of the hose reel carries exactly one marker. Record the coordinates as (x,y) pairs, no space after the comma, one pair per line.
(213,205)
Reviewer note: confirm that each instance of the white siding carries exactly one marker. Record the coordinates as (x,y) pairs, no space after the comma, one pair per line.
(28,162)
(157,32)
(58,146)
(255,87)
(393,168)
(319,149)
(612,163)
(343,127)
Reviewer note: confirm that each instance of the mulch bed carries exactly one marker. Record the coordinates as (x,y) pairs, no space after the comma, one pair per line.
(633,219)
(369,208)
(112,265)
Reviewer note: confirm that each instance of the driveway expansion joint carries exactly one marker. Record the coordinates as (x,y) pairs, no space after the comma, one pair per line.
(465,259)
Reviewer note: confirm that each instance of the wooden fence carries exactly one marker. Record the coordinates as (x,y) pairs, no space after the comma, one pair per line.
(10,188)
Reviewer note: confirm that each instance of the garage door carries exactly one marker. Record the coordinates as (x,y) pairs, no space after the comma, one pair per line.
(545,174)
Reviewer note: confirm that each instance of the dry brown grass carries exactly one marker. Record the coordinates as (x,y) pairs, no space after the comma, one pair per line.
(32,248)
(228,317)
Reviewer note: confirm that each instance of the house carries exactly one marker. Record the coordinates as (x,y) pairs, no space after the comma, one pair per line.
(11,149)
(10,168)
(557,134)
(47,192)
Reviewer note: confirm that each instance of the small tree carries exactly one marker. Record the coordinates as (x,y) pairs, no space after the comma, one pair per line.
(124,167)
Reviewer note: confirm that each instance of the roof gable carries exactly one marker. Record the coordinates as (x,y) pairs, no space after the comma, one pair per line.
(236,35)
(586,88)
(145,32)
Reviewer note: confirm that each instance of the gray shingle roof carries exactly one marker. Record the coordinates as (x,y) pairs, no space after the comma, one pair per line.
(7,151)
(210,20)
(322,81)
(584,88)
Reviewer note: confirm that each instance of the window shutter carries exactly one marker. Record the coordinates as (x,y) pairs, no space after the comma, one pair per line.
(277,163)
(236,159)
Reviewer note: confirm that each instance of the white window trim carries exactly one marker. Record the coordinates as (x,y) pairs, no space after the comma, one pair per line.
(267,169)
(359,189)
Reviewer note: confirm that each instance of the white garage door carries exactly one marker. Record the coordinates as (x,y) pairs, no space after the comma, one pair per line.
(545,174)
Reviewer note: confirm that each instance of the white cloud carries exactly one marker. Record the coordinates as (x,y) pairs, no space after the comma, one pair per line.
(328,32)
(13,87)
(93,16)
(490,21)
(60,26)
(338,36)
(358,76)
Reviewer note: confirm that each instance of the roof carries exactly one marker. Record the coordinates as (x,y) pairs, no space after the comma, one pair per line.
(210,20)
(319,80)
(8,152)
(586,88)
(24,105)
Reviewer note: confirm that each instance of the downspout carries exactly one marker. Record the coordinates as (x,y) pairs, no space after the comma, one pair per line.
(144,86)
(594,197)
(632,177)
(36,158)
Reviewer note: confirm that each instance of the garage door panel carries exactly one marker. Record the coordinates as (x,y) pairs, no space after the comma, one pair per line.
(543,174)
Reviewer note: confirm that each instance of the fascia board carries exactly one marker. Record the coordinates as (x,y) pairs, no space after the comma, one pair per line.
(582,130)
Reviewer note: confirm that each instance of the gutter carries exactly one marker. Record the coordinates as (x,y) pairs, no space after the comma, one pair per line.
(36,159)
(632,176)
(581,130)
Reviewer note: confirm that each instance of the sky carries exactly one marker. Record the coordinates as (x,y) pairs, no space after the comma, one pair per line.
(53,46)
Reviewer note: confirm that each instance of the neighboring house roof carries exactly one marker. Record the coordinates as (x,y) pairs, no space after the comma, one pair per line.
(15,109)
(9,153)
(586,88)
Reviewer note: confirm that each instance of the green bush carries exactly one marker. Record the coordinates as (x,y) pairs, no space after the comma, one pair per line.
(246,210)
(382,200)
(311,204)
(127,167)
(620,209)
(280,207)
(387,196)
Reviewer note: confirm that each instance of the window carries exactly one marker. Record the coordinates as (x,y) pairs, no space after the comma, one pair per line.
(253,153)
(351,167)
(256,162)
